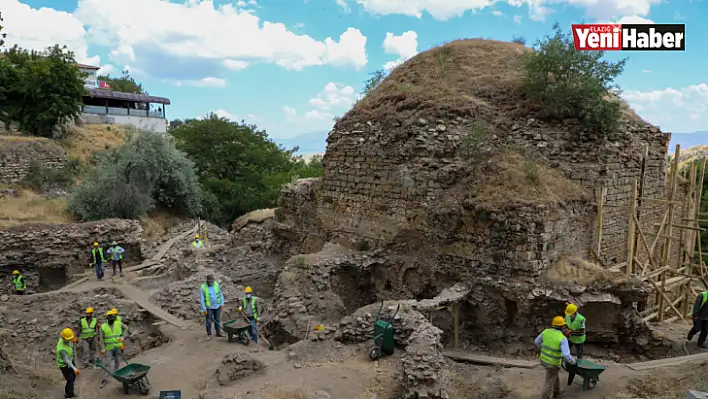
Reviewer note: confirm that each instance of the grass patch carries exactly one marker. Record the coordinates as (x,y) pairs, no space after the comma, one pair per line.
(30,207)
(87,139)
(510,178)
(157,223)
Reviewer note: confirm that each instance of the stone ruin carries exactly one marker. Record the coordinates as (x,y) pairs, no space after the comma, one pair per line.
(50,256)
(416,200)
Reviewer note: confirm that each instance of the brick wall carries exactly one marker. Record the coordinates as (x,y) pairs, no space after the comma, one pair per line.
(17,153)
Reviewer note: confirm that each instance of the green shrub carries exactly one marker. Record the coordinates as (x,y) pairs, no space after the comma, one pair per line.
(129,180)
(41,178)
(573,84)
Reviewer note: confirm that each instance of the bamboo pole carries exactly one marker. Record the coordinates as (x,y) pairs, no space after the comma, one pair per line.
(667,242)
(687,255)
(631,233)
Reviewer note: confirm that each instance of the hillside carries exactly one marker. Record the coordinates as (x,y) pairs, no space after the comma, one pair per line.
(688,140)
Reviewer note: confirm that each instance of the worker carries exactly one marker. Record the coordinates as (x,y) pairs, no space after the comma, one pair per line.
(116,254)
(19,282)
(197,243)
(575,323)
(97,260)
(65,360)
(89,331)
(115,312)
(700,319)
(554,348)
(249,307)
(211,300)
(112,338)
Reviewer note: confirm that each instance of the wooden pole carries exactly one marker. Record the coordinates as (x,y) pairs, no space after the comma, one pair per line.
(669,230)
(631,233)
(691,241)
(699,198)
(640,198)
(601,193)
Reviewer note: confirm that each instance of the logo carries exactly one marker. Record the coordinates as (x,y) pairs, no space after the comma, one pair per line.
(641,37)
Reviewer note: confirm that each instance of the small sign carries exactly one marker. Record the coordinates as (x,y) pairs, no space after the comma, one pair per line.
(624,37)
(170,395)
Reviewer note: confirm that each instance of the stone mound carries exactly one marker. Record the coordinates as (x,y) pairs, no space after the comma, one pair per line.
(468,78)
(237,366)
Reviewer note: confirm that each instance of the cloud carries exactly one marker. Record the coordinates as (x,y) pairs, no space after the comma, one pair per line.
(517,19)
(199,39)
(497,13)
(404,46)
(447,9)
(107,70)
(647,71)
(225,114)
(334,95)
(674,110)
(289,112)
(634,19)
(38,29)
(206,82)
(539,13)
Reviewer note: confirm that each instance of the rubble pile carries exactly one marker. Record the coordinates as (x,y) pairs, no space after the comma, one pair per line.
(237,366)
(31,335)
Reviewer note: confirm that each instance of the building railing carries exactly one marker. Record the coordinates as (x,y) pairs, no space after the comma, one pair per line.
(100,110)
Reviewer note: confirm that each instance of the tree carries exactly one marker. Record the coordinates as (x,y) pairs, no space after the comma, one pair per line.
(573,84)
(146,171)
(123,84)
(373,82)
(240,168)
(40,89)
(2,35)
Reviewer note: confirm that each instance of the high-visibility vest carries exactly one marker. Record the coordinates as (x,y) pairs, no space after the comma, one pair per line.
(551,354)
(19,283)
(705,298)
(576,335)
(100,252)
(115,251)
(88,330)
(110,337)
(197,244)
(217,293)
(253,306)
(64,346)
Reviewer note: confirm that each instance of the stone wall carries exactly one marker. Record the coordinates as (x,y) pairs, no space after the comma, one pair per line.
(17,153)
(50,255)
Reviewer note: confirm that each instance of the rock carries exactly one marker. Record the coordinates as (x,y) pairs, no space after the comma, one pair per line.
(236,366)
(212,394)
(321,395)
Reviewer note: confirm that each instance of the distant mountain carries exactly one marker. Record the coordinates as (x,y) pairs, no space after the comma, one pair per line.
(308,143)
(688,140)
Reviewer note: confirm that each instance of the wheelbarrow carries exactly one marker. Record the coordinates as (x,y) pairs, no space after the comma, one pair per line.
(133,377)
(383,335)
(587,370)
(237,329)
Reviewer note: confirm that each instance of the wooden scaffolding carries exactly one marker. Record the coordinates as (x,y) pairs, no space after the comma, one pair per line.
(670,262)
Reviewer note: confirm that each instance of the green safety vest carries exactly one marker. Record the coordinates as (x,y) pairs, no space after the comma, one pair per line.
(19,283)
(217,292)
(576,336)
(253,306)
(705,298)
(551,354)
(88,331)
(100,252)
(197,244)
(115,251)
(64,346)
(110,337)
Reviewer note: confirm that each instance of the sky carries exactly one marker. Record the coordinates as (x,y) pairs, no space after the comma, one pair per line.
(291,66)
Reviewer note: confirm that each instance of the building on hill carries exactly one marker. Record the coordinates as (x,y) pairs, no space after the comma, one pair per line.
(101,105)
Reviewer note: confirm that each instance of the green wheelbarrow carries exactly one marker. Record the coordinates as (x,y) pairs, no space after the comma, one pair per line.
(237,329)
(133,377)
(587,370)
(383,335)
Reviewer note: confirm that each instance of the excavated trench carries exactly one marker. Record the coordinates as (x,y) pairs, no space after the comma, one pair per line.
(51,278)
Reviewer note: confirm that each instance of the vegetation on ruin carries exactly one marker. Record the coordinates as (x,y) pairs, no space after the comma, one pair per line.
(128,181)
(573,84)
(240,168)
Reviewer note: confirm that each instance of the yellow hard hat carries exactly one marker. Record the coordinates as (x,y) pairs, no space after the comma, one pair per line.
(67,334)
(95,244)
(110,313)
(558,321)
(196,236)
(89,310)
(570,309)
(249,290)
(15,272)
(114,311)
